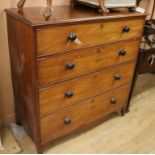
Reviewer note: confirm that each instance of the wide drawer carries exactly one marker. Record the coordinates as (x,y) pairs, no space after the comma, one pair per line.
(68,93)
(80,62)
(77,116)
(55,39)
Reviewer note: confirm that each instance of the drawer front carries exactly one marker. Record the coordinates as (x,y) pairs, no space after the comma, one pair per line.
(79,115)
(73,91)
(56,39)
(67,66)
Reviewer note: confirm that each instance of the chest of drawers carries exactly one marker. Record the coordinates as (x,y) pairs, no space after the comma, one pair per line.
(72,70)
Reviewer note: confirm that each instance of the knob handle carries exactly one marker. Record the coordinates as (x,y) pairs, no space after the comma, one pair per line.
(67,121)
(69,93)
(72,37)
(70,65)
(122,53)
(126,29)
(117,77)
(113,101)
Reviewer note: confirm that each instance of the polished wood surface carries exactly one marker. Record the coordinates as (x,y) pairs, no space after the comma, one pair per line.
(86,61)
(40,52)
(136,129)
(53,99)
(23,69)
(85,113)
(68,15)
(55,40)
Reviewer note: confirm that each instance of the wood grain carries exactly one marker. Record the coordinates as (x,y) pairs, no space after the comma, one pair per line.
(54,69)
(69,15)
(53,98)
(23,69)
(85,113)
(55,40)
(105,137)
(33,41)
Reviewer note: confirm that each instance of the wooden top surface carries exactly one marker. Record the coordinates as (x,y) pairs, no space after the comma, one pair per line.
(67,14)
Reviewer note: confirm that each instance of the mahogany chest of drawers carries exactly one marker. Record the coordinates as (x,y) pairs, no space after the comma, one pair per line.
(72,70)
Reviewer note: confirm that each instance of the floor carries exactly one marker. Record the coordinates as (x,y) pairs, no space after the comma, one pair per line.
(10,145)
(133,133)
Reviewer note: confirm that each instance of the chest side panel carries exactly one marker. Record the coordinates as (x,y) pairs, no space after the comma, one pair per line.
(23,69)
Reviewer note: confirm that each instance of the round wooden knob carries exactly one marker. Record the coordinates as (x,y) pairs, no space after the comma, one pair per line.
(113,101)
(70,65)
(122,53)
(72,37)
(69,93)
(67,121)
(126,29)
(117,77)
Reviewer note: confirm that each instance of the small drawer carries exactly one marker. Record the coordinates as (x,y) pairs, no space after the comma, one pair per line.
(64,38)
(80,62)
(77,116)
(73,91)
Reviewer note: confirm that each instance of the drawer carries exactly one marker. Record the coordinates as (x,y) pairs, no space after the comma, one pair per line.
(79,115)
(80,62)
(56,39)
(68,93)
